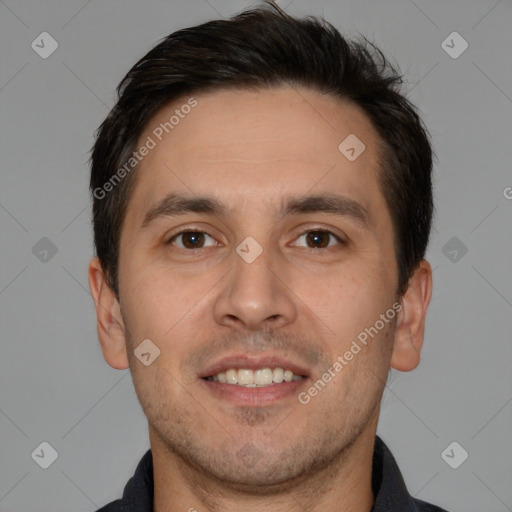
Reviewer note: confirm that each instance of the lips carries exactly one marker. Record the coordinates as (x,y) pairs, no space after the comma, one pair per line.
(254,363)
(244,367)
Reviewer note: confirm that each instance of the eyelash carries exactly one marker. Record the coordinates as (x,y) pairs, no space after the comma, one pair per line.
(319,230)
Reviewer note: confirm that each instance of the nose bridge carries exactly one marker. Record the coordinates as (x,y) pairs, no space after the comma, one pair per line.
(253,295)
(252,271)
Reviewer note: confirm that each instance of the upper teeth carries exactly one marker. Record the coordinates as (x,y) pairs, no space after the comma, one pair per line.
(255,378)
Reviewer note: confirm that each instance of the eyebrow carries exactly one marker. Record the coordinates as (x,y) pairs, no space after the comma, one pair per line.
(330,203)
(174,205)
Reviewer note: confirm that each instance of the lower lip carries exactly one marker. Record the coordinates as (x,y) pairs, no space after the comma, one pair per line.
(256,396)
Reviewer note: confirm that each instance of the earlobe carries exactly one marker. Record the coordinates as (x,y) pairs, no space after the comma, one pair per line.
(410,326)
(111,332)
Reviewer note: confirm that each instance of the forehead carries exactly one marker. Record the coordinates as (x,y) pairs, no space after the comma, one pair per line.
(258,145)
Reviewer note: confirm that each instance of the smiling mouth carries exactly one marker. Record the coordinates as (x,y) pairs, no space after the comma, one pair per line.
(249,378)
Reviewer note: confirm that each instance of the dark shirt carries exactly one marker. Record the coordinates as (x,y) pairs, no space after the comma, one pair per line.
(389,489)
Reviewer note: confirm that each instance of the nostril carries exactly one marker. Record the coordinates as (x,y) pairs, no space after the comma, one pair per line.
(232,318)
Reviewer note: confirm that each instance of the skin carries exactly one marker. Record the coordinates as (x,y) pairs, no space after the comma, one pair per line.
(252,151)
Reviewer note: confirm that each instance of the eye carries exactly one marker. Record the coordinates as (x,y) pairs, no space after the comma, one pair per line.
(192,240)
(318,239)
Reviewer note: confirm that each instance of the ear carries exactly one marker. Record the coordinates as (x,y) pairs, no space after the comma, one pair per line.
(410,325)
(111,331)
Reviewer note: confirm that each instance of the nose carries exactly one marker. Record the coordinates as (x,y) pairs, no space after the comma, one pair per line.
(255,295)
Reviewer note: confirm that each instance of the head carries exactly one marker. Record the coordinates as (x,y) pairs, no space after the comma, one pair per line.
(235,130)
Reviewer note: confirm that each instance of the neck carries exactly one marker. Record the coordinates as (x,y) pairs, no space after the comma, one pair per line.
(343,485)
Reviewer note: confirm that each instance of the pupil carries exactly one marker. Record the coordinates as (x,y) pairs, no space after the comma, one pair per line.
(318,239)
(193,239)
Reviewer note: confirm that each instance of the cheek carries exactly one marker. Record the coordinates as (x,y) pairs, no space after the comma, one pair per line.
(151,292)
(168,308)
(346,300)
(361,364)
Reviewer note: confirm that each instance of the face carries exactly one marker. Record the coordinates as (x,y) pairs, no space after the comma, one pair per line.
(251,242)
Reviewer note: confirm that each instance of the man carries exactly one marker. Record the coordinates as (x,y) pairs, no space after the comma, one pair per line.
(262,205)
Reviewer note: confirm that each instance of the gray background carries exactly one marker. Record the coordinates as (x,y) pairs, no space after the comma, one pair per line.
(55,385)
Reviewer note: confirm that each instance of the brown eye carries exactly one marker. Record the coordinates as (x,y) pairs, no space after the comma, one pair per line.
(318,239)
(191,240)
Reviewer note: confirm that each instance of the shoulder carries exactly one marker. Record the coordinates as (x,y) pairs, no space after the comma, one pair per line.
(114,506)
(389,488)
(423,506)
(138,492)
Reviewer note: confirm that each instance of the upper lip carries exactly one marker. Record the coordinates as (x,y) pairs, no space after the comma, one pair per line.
(252,362)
